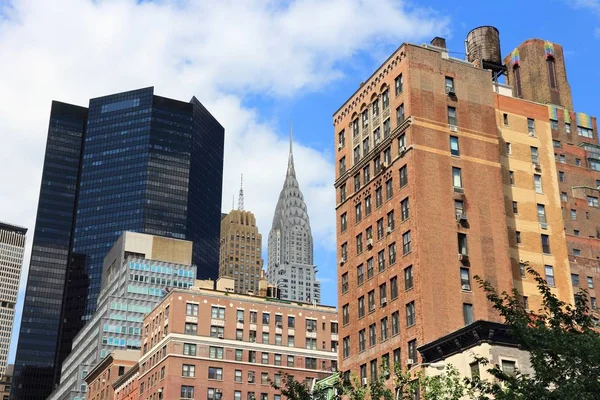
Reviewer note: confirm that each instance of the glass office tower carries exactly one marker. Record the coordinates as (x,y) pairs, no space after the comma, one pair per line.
(142,163)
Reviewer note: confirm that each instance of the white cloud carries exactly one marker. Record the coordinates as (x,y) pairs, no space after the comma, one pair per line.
(220,51)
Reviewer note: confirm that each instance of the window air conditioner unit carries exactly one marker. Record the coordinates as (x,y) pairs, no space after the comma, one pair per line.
(250,380)
(384,165)
(402,150)
(218,391)
(369,242)
(450,91)
(383,301)
(532,133)
(463,257)
(220,336)
(466,287)
(389,230)
(340,146)
(364,381)
(160,390)
(342,261)
(461,217)
(453,128)
(544,225)
(537,166)
(410,361)
(241,321)
(279,325)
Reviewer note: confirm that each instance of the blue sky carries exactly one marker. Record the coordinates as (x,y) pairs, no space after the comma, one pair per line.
(256,65)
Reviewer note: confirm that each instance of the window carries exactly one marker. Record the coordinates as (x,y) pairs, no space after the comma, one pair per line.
(563,196)
(365,147)
(546,244)
(381,260)
(365,118)
(378,197)
(578,162)
(468,313)
(359,245)
(390,221)
(575,232)
(576,252)
(590,282)
(410,314)
(505,119)
(217,312)
(360,274)
(465,279)
(454,150)
(592,201)
(515,207)
(291,341)
(400,114)
(370,268)
(508,149)
(216,331)
(459,207)
(386,128)
(375,107)
(217,352)
(187,392)
(376,137)
(372,335)
(343,192)
(346,314)
(237,375)
(343,222)
(345,282)
(561,176)
(549,275)
(389,189)
(408,278)
(452,116)
(342,163)
(509,367)
(456,177)
(191,309)
(575,279)
(397,355)
(265,338)
(239,354)
(462,244)
(406,247)
(188,370)
(371,297)
(474,367)
(534,155)
(362,340)
(344,252)
(403,176)
(395,323)
(511,177)
(355,127)
(562,159)
(385,99)
(189,349)
(356,182)
(531,126)
(341,139)
(393,288)
(215,373)
(311,344)
(585,132)
(541,210)
(568,128)
(405,209)
(554,125)
(356,154)
(382,294)
(368,205)
(251,356)
(384,328)
(346,347)
(593,302)
(574,215)
(387,156)
(367,173)
(191,329)
(290,361)
(399,81)
(449,84)
(537,183)
(518,237)
(237,395)
(361,307)
(373,368)
(253,317)
(380,229)
(412,350)
(264,358)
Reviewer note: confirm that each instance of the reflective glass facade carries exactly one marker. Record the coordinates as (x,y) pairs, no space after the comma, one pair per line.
(148,164)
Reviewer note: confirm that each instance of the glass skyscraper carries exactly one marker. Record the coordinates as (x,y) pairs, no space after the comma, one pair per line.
(131,161)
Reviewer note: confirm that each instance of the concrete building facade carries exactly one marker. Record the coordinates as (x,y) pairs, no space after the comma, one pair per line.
(12,249)
(206,343)
(241,248)
(290,261)
(138,271)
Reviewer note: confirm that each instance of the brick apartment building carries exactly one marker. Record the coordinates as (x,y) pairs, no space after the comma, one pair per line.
(443,174)
(205,343)
(127,386)
(101,378)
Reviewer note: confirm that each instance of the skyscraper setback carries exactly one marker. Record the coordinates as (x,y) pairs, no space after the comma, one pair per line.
(130,161)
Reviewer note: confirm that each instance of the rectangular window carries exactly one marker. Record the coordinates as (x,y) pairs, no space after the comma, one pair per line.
(389,189)
(365,118)
(371,297)
(368,205)
(290,361)
(342,163)
(593,303)
(375,108)
(360,275)
(189,349)
(406,243)
(508,149)
(449,84)
(372,335)
(215,373)
(585,132)
(264,358)
(511,177)
(590,282)
(574,215)
(563,196)
(343,192)
(410,314)
(367,173)
(356,154)
(462,244)
(370,268)
(344,252)
(191,309)
(239,354)
(344,282)
(355,127)
(456,177)
(365,147)
(362,340)
(346,314)
(390,221)
(535,159)
(465,279)
(382,294)
(405,209)
(509,367)
(468,313)
(537,183)
(454,150)
(216,352)
(188,370)
(361,307)
(385,99)
(531,126)
(412,350)
(553,124)
(359,243)
(187,392)
(515,207)
(356,182)
(395,323)
(545,244)
(452,116)
(343,222)
(378,197)
(386,128)
(381,260)
(393,288)
(380,229)
(403,176)
(346,347)
(191,329)
(383,324)
(265,337)
(549,275)
(408,278)
(575,279)
(341,139)
(541,210)
(237,377)
(400,114)
(592,201)
(505,119)
(474,367)
(399,83)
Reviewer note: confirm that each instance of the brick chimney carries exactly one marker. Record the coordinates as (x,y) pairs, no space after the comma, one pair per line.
(439,42)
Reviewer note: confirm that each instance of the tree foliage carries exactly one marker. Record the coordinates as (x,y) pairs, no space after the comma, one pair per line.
(562,341)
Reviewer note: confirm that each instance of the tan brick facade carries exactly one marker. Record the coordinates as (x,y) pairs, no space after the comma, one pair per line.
(208,344)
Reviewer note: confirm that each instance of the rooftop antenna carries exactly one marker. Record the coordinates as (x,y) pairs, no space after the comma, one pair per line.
(241,198)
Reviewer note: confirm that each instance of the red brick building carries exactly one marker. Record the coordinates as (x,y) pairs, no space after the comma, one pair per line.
(100,379)
(126,387)
(204,343)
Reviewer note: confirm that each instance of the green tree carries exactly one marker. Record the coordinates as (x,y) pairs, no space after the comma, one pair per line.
(562,341)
